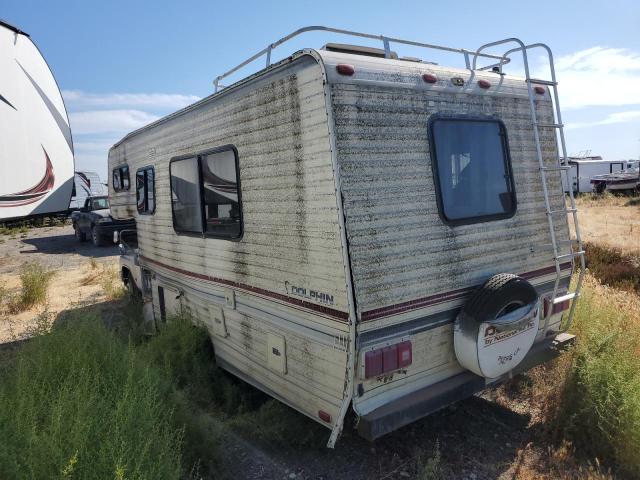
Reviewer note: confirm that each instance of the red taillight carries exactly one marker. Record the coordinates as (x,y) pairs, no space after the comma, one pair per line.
(373,363)
(387,359)
(324,416)
(429,78)
(539,90)
(484,84)
(390,358)
(345,69)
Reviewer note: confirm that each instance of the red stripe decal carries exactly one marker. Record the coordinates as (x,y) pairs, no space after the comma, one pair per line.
(36,192)
(444,297)
(330,312)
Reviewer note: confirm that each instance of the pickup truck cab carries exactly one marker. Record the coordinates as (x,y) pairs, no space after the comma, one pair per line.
(94,220)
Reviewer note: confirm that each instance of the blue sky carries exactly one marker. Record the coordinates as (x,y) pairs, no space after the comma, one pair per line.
(122,64)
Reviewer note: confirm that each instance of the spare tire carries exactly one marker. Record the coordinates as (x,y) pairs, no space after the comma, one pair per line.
(497,326)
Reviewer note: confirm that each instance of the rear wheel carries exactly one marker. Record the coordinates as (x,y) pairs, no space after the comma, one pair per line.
(79,234)
(96,239)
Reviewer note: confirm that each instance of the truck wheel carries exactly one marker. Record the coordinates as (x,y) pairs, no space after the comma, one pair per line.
(95,238)
(79,234)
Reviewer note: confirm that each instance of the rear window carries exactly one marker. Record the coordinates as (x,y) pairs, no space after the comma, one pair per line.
(472,170)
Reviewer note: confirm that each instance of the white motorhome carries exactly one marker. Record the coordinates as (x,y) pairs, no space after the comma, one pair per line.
(36,150)
(358,230)
(583,169)
(86,184)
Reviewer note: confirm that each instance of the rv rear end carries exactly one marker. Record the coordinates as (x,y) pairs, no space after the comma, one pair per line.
(441,192)
(383,242)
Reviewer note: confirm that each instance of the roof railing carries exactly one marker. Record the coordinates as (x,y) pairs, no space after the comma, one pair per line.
(386,42)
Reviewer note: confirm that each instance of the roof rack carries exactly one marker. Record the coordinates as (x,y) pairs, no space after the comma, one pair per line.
(386,42)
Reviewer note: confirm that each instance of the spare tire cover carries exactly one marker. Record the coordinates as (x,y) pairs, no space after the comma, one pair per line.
(497,326)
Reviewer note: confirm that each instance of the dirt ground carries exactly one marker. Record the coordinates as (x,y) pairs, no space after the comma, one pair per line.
(76,280)
(492,436)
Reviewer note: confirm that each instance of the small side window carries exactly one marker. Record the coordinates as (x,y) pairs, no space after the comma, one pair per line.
(145,191)
(185,195)
(221,194)
(117,184)
(121,178)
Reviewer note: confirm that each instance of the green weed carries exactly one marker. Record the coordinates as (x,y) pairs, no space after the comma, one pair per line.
(79,403)
(35,280)
(599,410)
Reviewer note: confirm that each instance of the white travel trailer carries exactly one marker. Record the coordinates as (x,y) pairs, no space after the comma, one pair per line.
(584,169)
(86,184)
(36,150)
(358,230)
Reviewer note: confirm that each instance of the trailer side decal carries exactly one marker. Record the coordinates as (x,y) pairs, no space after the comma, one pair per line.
(34,193)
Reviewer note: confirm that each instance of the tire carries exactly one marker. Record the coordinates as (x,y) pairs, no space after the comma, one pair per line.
(79,234)
(600,188)
(95,238)
(500,294)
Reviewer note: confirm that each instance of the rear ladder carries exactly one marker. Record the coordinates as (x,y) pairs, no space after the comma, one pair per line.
(575,246)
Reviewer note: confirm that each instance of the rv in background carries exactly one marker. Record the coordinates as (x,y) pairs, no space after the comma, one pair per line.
(357,229)
(584,168)
(36,151)
(86,184)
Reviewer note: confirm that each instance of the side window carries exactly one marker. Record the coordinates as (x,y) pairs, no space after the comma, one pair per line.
(121,178)
(117,184)
(145,191)
(205,194)
(124,175)
(472,170)
(185,195)
(221,194)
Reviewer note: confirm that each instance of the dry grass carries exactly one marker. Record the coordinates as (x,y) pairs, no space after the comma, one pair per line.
(107,276)
(612,220)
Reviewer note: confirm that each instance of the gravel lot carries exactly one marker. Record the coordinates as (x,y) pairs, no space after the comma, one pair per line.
(76,281)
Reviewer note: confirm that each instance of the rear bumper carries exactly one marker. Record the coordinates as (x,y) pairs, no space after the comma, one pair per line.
(423,402)
(108,229)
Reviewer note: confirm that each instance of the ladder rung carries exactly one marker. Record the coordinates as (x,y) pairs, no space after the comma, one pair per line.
(542,82)
(564,298)
(556,168)
(565,211)
(549,125)
(570,255)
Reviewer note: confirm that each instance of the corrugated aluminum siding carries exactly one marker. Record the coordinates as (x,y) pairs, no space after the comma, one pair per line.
(399,247)
(291,234)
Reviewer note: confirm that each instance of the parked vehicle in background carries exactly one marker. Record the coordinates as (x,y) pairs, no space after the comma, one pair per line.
(86,184)
(36,151)
(583,169)
(94,221)
(625,180)
(360,230)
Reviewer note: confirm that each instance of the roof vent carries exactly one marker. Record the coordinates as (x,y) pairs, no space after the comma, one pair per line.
(357,50)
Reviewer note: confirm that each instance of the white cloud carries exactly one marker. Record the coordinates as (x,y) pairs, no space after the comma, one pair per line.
(598,76)
(109,121)
(618,117)
(78,99)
